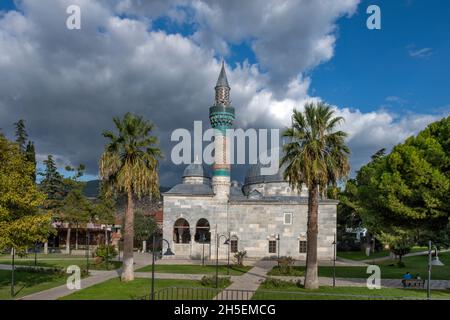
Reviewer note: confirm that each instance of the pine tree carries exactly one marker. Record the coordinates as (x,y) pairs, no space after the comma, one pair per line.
(52,184)
(21,134)
(31,157)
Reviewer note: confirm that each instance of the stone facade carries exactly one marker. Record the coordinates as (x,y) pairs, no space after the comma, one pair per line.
(264,217)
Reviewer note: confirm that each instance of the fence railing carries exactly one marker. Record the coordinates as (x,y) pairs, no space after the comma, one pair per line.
(183,293)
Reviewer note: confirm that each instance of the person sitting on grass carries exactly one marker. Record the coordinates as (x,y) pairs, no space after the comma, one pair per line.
(406,276)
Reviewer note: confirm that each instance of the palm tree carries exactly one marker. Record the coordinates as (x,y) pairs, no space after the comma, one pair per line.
(317,156)
(129,164)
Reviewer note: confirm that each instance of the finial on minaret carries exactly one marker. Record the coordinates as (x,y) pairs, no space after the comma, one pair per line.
(222,88)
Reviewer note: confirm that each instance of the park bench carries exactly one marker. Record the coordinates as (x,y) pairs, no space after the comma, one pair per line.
(413,283)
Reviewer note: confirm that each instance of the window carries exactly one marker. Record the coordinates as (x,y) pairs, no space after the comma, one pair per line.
(288,218)
(272,246)
(234,246)
(202,233)
(181,231)
(302,246)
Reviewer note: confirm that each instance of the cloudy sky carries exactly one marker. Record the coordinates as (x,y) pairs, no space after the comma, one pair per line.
(161,58)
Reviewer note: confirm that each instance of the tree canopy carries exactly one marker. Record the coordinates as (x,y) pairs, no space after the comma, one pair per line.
(406,194)
(21,222)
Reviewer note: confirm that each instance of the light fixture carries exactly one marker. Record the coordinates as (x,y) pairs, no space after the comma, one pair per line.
(169,252)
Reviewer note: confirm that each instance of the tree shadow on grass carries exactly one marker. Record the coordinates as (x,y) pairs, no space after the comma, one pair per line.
(27,279)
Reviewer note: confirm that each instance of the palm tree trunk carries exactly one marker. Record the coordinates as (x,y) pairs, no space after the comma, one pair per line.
(311,277)
(128,272)
(68,239)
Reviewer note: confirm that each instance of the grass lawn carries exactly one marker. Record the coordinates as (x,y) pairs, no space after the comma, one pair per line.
(115,289)
(195,269)
(389,293)
(389,270)
(28,282)
(62,263)
(360,255)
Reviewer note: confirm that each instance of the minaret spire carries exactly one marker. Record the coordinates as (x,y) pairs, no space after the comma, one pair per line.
(221,116)
(222,88)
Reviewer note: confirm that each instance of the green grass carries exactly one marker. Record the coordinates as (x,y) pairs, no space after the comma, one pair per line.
(195,269)
(63,263)
(345,293)
(115,289)
(361,255)
(28,282)
(389,270)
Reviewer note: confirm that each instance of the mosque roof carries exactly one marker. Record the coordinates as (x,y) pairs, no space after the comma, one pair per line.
(195,170)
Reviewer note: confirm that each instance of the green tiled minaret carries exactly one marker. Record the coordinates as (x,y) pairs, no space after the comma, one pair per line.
(221,116)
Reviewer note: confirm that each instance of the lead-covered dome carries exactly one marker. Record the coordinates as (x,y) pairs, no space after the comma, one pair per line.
(195,170)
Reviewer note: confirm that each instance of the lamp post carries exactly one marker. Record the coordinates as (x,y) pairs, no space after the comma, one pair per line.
(203,239)
(87,251)
(227,241)
(167,253)
(434,262)
(334,261)
(228,252)
(107,247)
(12,271)
(35,254)
(278,250)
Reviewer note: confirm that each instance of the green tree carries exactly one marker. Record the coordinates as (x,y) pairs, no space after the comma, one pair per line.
(52,184)
(144,226)
(75,208)
(129,164)
(317,156)
(410,187)
(31,157)
(21,222)
(21,134)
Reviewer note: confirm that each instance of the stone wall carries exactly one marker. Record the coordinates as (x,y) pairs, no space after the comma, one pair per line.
(252,222)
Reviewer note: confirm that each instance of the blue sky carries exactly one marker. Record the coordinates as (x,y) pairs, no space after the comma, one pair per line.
(371,65)
(394,80)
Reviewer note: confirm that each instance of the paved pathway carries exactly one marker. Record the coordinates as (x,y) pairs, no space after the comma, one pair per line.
(420,253)
(361,282)
(250,280)
(96,277)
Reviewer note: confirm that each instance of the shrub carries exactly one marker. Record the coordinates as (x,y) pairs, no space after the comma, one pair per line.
(210,281)
(104,251)
(286,264)
(240,255)
(278,283)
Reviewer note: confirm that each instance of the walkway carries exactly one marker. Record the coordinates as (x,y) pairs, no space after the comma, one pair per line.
(420,253)
(96,277)
(252,279)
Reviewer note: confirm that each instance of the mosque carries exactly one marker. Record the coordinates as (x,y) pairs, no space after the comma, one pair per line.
(207,216)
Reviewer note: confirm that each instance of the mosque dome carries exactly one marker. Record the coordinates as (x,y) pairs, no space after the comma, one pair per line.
(254,175)
(194,170)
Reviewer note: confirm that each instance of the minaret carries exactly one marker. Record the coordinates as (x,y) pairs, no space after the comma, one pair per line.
(221,116)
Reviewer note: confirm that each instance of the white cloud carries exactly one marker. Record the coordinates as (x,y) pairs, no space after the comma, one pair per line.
(423,53)
(69,84)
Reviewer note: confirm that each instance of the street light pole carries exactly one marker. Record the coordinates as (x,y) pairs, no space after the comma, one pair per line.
(278,240)
(12,272)
(167,253)
(217,261)
(334,261)
(429,271)
(153,268)
(87,251)
(218,236)
(35,254)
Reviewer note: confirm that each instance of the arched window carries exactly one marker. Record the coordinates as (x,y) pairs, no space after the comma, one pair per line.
(181,231)
(202,233)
